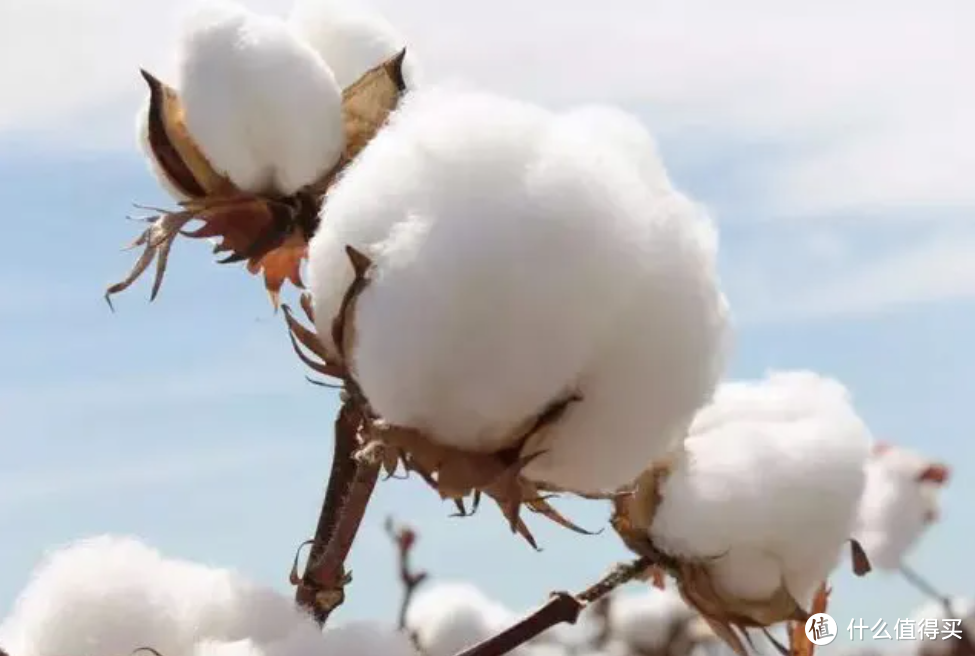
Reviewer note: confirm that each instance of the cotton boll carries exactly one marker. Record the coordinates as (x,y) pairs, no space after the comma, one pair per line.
(98,596)
(365,639)
(897,505)
(472,268)
(224,605)
(113,595)
(647,621)
(351,38)
(767,486)
(450,617)
(627,135)
(520,258)
(261,104)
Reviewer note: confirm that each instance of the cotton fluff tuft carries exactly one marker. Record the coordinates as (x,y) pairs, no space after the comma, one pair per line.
(767,485)
(646,621)
(520,256)
(896,507)
(112,595)
(449,617)
(351,38)
(261,104)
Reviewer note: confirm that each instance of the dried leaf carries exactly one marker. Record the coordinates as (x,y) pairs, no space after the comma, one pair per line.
(368,103)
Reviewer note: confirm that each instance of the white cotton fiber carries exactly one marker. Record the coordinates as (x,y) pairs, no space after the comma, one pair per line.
(767,485)
(521,256)
(897,506)
(449,617)
(647,621)
(112,595)
(262,105)
(350,37)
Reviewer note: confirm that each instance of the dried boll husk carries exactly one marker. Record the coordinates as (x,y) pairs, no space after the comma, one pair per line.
(530,285)
(726,514)
(265,212)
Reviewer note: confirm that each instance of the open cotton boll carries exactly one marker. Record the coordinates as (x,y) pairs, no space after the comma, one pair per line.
(627,135)
(769,490)
(350,37)
(448,617)
(261,104)
(899,502)
(114,595)
(520,258)
(98,596)
(647,621)
(366,639)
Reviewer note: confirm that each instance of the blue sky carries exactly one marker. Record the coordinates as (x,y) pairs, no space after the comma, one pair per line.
(190,424)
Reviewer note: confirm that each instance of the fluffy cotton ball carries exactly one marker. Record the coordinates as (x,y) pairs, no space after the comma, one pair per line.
(522,255)
(356,639)
(350,37)
(647,621)
(262,105)
(112,595)
(449,617)
(767,485)
(366,639)
(897,506)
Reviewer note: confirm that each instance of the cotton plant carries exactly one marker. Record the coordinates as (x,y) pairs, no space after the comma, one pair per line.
(250,136)
(116,595)
(900,502)
(532,275)
(517,302)
(752,513)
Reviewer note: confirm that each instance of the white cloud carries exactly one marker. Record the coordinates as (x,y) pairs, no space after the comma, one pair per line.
(939,268)
(149,471)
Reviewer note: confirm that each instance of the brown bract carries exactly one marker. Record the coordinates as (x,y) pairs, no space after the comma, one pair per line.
(454,473)
(269,231)
(799,644)
(728,616)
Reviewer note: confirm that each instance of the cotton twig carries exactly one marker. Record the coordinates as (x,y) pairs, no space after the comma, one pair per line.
(562,607)
(353,477)
(405,539)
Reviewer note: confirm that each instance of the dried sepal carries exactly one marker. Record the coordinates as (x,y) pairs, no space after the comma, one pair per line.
(268,231)
(858,558)
(366,105)
(179,157)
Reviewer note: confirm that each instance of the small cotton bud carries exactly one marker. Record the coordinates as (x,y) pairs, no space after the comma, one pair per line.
(260,103)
